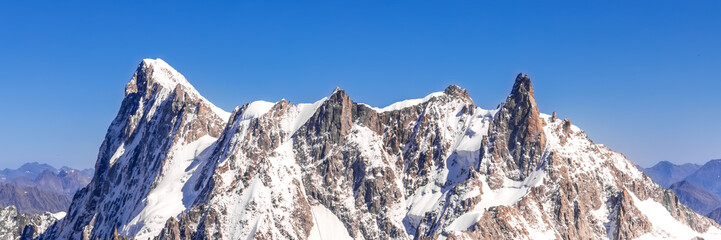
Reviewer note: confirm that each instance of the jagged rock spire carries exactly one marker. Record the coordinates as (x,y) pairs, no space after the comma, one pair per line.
(334,117)
(521,103)
(516,134)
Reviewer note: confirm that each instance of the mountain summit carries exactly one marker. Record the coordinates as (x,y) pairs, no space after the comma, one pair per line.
(174,166)
(163,125)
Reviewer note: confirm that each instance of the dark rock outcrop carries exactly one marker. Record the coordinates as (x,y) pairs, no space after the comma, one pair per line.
(516,135)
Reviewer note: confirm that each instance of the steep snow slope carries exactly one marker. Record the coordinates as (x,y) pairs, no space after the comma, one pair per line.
(327,225)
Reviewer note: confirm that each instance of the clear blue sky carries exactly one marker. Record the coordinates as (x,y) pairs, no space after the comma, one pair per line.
(639,76)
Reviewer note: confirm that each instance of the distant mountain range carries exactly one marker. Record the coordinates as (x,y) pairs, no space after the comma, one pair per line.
(697,186)
(665,173)
(38,188)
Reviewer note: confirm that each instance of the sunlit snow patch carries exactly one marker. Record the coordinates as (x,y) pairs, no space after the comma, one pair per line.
(166,199)
(59,215)
(256,109)
(666,226)
(168,77)
(510,193)
(406,103)
(327,225)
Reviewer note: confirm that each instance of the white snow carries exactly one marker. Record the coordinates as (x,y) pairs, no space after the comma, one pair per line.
(467,132)
(327,225)
(408,103)
(600,214)
(118,153)
(256,192)
(590,158)
(256,109)
(263,203)
(464,133)
(510,193)
(666,226)
(478,127)
(59,215)
(166,199)
(164,74)
(421,202)
(169,78)
(220,112)
(368,143)
(258,205)
(300,116)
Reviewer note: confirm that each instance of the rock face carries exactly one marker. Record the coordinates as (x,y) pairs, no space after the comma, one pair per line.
(15,225)
(152,146)
(174,167)
(516,137)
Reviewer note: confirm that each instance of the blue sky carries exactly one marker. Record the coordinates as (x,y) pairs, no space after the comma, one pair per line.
(638,76)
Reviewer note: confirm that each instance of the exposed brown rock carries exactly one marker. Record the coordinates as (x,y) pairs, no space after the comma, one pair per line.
(628,220)
(516,135)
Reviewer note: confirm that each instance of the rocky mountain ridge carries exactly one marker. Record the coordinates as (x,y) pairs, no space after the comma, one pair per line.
(174,166)
(17,225)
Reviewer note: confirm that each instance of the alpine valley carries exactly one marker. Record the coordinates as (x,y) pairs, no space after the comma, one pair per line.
(175,166)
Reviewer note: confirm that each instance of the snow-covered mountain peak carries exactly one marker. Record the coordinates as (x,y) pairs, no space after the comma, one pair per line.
(154,78)
(336,90)
(455,90)
(151,150)
(255,109)
(436,167)
(162,73)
